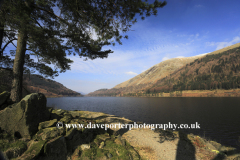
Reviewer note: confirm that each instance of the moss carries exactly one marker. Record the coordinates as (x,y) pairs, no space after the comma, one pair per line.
(66,119)
(36,147)
(4,144)
(117,151)
(48,133)
(47,124)
(94,153)
(110,149)
(38,136)
(5,141)
(15,149)
(18,144)
(34,150)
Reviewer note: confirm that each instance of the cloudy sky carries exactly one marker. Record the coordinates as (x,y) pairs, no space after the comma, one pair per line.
(182,28)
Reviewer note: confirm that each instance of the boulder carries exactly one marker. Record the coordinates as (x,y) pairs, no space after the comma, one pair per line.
(49,133)
(46,124)
(75,114)
(56,149)
(56,114)
(74,139)
(66,118)
(34,150)
(22,119)
(59,112)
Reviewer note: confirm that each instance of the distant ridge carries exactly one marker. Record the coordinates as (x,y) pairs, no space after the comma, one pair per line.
(35,84)
(158,71)
(226,48)
(206,71)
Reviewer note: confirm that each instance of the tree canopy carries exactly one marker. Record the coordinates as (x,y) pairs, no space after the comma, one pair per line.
(42,32)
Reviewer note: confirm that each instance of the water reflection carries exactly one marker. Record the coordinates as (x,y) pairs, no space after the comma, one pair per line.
(218,117)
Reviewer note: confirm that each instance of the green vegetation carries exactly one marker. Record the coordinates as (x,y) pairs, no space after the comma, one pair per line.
(7,141)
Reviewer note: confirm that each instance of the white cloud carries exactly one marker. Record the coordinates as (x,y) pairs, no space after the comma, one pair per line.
(165,58)
(202,54)
(221,45)
(131,73)
(180,57)
(116,63)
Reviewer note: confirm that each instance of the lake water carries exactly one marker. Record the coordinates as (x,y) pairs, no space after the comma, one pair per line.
(219,118)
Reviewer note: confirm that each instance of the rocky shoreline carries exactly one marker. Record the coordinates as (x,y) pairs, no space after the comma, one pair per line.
(29,131)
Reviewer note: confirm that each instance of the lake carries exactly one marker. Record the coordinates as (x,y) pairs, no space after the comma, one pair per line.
(219,117)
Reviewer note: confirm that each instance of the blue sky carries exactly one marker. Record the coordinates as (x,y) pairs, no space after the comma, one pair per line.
(182,28)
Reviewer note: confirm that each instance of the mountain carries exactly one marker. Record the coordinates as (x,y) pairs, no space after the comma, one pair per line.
(157,72)
(35,84)
(82,93)
(215,70)
(147,78)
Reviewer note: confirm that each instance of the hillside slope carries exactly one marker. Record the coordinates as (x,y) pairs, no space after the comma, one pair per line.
(215,70)
(157,72)
(148,78)
(35,84)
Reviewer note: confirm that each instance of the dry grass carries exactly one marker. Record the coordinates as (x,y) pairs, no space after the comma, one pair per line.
(225,49)
(206,93)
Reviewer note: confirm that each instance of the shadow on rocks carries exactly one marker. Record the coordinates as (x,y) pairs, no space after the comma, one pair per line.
(165,135)
(185,148)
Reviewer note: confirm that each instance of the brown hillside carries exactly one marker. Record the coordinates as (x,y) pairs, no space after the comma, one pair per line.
(35,84)
(215,70)
(147,78)
(157,72)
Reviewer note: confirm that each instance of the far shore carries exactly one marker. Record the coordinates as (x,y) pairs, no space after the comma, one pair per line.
(184,93)
(62,96)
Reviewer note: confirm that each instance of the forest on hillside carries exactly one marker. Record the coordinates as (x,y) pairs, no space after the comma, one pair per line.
(214,71)
(211,72)
(35,84)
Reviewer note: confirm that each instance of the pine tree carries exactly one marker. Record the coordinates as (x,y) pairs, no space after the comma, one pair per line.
(42,32)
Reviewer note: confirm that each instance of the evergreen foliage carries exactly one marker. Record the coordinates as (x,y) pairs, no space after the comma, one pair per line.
(42,32)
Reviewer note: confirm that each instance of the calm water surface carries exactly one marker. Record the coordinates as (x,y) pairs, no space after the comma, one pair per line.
(219,118)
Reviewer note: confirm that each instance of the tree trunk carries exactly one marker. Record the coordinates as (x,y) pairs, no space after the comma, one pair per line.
(16,92)
(1,39)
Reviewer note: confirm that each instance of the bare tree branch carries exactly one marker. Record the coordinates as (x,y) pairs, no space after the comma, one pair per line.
(7,44)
